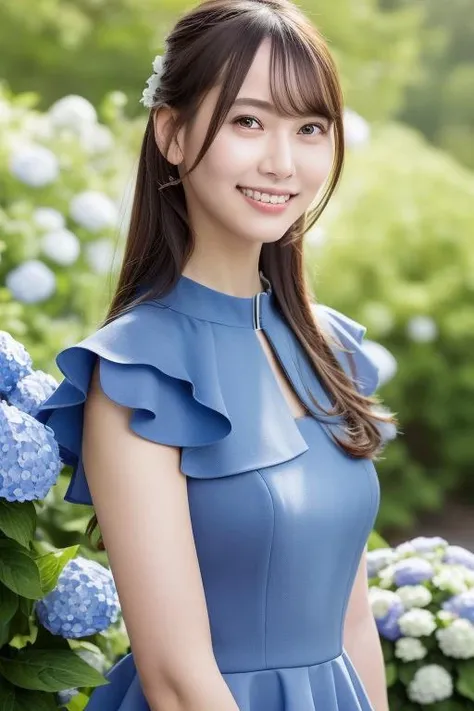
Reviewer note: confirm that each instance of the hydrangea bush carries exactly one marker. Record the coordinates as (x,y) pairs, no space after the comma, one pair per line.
(54,604)
(422,597)
(64,207)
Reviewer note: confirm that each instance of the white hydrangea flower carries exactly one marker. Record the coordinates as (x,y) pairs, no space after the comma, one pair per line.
(31,282)
(450,579)
(410,649)
(100,255)
(34,165)
(422,329)
(431,683)
(384,361)
(93,210)
(317,236)
(48,219)
(381,601)
(405,550)
(38,127)
(72,112)
(356,129)
(61,246)
(386,577)
(96,138)
(445,616)
(414,596)
(457,640)
(417,623)
(6,112)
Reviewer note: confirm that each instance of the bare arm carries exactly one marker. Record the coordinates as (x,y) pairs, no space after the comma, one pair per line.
(361,640)
(141,502)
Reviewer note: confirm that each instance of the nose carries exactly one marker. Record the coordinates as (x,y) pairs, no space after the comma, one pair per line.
(278,159)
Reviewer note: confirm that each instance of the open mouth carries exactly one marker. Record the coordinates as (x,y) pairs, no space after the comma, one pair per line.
(265,198)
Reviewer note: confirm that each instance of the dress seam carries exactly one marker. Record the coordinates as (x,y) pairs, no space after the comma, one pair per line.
(356,561)
(268,568)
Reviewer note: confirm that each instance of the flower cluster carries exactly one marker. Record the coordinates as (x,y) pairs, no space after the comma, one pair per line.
(29,452)
(422,599)
(56,163)
(84,601)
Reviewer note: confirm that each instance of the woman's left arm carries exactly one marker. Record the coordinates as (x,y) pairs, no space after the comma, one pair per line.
(362,643)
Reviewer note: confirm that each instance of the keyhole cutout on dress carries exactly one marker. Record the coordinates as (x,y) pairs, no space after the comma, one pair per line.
(296,407)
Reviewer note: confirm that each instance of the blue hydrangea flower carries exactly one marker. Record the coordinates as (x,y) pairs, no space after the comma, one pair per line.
(31,391)
(457,555)
(378,559)
(388,626)
(29,454)
(424,544)
(461,605)
(15,362)
(65,696)
(412,571)
(84,601)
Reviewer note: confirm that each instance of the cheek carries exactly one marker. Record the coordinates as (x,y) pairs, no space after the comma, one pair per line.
(316,165)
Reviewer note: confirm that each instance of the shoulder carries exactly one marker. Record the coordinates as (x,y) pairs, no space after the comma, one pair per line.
(347,339)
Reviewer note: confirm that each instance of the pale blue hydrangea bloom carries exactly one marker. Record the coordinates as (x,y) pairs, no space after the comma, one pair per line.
(424,544)
(378,559)
(457,555)
(84,601)
(412,571)
(461,605)
(31,391)
(15,363)
(388,626)
(30,456)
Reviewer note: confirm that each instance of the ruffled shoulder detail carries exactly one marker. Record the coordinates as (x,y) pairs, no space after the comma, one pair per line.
(349,334)
(145,365)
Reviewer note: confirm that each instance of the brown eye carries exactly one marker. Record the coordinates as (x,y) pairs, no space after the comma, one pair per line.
(322,129)
(241,119)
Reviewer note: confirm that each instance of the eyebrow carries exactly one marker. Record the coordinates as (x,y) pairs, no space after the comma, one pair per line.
(261,104)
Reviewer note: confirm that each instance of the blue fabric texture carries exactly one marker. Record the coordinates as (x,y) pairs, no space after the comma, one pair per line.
(280,512)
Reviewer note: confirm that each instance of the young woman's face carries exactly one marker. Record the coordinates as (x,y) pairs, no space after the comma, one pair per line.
(256,150)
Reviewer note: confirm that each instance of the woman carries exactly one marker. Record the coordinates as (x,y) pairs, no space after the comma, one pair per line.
(219,421)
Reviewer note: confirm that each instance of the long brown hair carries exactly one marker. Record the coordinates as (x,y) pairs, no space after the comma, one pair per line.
(214,45)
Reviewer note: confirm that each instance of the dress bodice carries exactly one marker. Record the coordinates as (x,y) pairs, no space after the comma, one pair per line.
(280,512)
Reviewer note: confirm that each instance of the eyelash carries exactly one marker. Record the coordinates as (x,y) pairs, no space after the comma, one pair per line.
(321,126)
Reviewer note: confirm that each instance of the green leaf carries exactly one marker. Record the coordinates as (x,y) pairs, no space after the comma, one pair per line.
(391,674)
(465,680)
(37,700)
(448,705)
(7,695)
(376,541)
(18,520)
(51,565)
(9,602)
(18,571)
(406,671)
(45,670)
(78,702)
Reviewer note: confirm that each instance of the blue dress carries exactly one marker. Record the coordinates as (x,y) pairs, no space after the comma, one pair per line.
(280,513)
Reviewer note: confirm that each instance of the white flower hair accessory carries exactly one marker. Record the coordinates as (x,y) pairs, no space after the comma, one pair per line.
(153,82)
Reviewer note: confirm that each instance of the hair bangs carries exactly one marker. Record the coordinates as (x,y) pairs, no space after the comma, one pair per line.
(301,81)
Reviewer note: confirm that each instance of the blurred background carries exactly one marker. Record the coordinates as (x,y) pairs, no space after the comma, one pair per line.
(394,250)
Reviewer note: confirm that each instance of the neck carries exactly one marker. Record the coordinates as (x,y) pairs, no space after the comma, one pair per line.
(233,274)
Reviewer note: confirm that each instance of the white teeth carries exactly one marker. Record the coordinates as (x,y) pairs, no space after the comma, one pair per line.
(265,197)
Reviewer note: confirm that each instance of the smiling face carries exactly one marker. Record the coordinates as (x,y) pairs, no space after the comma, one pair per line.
(257,157)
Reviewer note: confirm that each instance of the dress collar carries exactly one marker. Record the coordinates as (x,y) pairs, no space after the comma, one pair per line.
(195,299)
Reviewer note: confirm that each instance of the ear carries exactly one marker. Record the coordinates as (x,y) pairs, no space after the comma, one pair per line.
(163,123)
